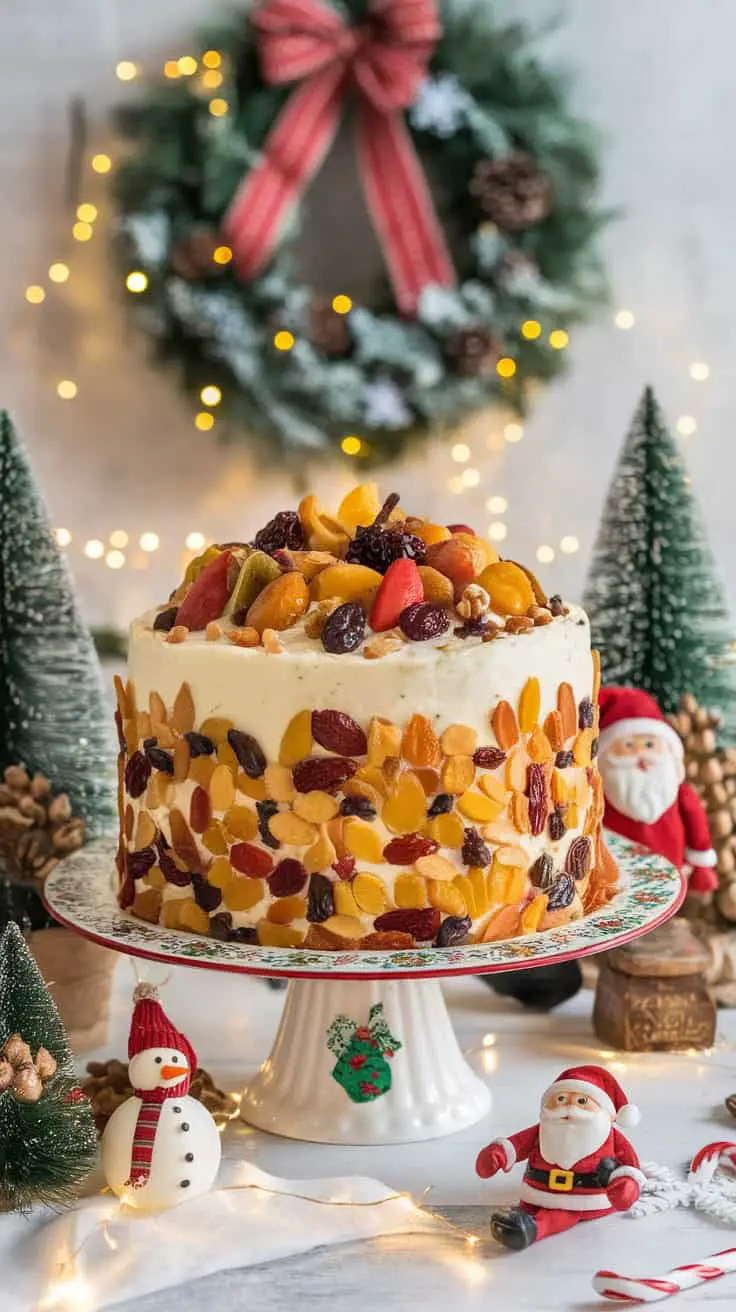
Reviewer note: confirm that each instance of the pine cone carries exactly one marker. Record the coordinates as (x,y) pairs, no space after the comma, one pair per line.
(36,827)
(191,256)
(329,331)
(512,191)
(473,351)
(712,772)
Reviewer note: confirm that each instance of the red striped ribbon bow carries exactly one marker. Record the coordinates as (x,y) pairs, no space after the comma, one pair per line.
(383,61)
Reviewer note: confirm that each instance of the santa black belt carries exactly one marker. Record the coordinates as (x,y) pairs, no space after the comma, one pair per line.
(564,1182)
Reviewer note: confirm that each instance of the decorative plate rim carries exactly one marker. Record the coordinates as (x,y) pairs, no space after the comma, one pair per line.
(79,893)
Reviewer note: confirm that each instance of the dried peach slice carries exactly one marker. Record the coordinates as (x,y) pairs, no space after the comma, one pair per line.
(531,916)
(554,731)
(193,917)
(280,604)
(504,924)
(435,867)
(438,588)
(529,705)
(504,725)
(222,788)
(278,936)
(346,926)
(457,774)
(323,533)
(290,828)
(316,807)
(448,830)
(370,894)
(296,743)
(410,892)
(405,810)
(363,841)
(459,740)
(384,739)
(429,533)
(321,854)
(345,903)
(420,744)
(508,587)
(359,507)
(539,747)
(446,897)
(348,582)
(286,909)
(567,707)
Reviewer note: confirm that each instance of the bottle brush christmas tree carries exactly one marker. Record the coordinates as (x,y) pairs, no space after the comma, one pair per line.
(48,1142)
(656,606)
(53,717)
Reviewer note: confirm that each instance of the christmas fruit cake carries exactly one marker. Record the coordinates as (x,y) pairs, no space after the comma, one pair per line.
(360,730)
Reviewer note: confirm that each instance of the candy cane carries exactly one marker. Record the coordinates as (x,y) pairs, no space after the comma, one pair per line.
(650,1289)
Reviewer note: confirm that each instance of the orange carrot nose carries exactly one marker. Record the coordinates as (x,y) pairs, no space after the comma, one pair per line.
(172,1072)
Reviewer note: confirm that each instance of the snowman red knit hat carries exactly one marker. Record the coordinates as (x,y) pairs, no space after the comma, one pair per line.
(150,1027)
(627,711)
(603,1086)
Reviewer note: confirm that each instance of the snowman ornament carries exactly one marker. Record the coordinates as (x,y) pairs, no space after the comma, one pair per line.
(161,1147)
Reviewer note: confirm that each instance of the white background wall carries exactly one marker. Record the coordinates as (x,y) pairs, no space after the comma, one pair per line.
(657,77)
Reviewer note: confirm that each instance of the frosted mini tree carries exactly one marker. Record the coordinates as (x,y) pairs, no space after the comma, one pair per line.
(656,606)
(53,716)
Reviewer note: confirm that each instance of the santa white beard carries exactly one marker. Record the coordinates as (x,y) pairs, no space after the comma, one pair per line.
(642,795)
(564,1142)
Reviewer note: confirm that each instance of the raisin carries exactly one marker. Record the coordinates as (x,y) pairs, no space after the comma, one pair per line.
(542,872)
(563,760)
(337,732)
(585,714)
(166,619)
(199,744)
(251,860)
(288,878)
(139,863)
(284,530)
(137,774)
(206,895)
(423,925)
(248,751)
(265,811)
(536,791)
(321,899)
(345,867)
(423,621)
(473,628)
(556,825)
(326,773)
(171,872)
(474,850)
(158,758)
(562,894)
(344,629)
(579,856)
(119,726)
(453,930)
(407,849)
(379,547)
(442,803)
(244,934)
(359,806)
(488,758)
(221,926)
(556,604)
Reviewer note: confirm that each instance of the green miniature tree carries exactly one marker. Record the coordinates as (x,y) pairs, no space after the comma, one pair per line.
(656,606)
(47,1146)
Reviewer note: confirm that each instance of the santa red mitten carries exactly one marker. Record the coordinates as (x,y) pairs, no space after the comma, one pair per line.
(491,1159)
(623,1192)
(703,879)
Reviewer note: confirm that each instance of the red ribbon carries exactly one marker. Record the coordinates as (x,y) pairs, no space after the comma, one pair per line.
(384,62)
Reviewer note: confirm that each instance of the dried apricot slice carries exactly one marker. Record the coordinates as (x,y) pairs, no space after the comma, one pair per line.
(410,891)
(596,675)
(437,587)
(420,744)
(222,788)
(290,828)
(280,604)
(405,810)
(529,705)
(278,936)
(359,507)
(321,854)
(322,532)
(457,774)
(435,867)
(517,765)
(581,748)
(504,725)
(539,747)
(567,706)
(287,909)
(448,830)
(370,894)
(279,784)
(241,822)
(345,903)
(348,582)
(363,841)
(494,788)
(193,917)
(468,895)
(508,587)
(504,924)
(459,740)
(446,897)
(554,731)
(297,740)
(384,739)
(317,807)
(214,840)
(346,926)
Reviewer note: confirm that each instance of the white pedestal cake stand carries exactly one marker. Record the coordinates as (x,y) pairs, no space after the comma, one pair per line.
(422,1087)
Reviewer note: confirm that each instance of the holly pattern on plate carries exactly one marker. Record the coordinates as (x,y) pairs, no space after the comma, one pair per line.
(363,1054)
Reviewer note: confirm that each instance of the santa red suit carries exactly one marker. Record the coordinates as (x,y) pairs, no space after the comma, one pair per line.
(646,798)
(578,1111)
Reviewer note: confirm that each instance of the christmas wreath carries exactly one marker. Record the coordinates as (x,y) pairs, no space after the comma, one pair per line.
(479,187)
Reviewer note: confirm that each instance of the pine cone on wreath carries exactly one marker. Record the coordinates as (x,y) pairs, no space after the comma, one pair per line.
(512,191)
(329,331)
(473,351)
(192,256)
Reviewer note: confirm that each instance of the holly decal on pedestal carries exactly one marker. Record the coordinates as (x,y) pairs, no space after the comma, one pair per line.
(363,1053)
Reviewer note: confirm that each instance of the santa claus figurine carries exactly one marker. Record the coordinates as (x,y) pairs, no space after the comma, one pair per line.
(640,757)
(579,1165)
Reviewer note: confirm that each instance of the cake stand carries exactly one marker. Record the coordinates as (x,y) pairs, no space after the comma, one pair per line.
(365,1052)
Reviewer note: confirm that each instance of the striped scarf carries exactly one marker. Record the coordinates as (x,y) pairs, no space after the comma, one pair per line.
(144,1136)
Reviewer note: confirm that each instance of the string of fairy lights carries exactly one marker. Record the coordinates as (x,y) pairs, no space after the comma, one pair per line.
(119,550)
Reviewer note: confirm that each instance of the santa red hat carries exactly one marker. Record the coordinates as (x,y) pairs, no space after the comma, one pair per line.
(603,1086)
(627,711)
(150,1027)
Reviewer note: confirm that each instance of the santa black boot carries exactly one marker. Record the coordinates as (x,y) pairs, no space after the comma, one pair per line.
(513,1228)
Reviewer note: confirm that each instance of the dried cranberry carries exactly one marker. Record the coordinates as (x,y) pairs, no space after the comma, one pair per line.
(562,894)
(407,849)
(422,924)
(288,878)
(344,629)
(345,867)
(338,732)
(536,791)
(265,811)
(206,895)
(585,714)
(137,774)
(442,803)
(251,860)
(166,619)
(542,872)
(119,726)
(474,850)
(158,758)
(248,751)
(139,863)
(563,760)
(199,744)
(453,930)
(423,621)
(326,773)
(556,825)
(284,530)
(556,604)
(359,806)
(579,857)
(488,758)
(320,899)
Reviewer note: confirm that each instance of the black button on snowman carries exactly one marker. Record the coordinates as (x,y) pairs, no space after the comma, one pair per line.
(145,1144)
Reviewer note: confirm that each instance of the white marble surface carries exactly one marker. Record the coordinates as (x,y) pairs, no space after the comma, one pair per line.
(231,1022)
